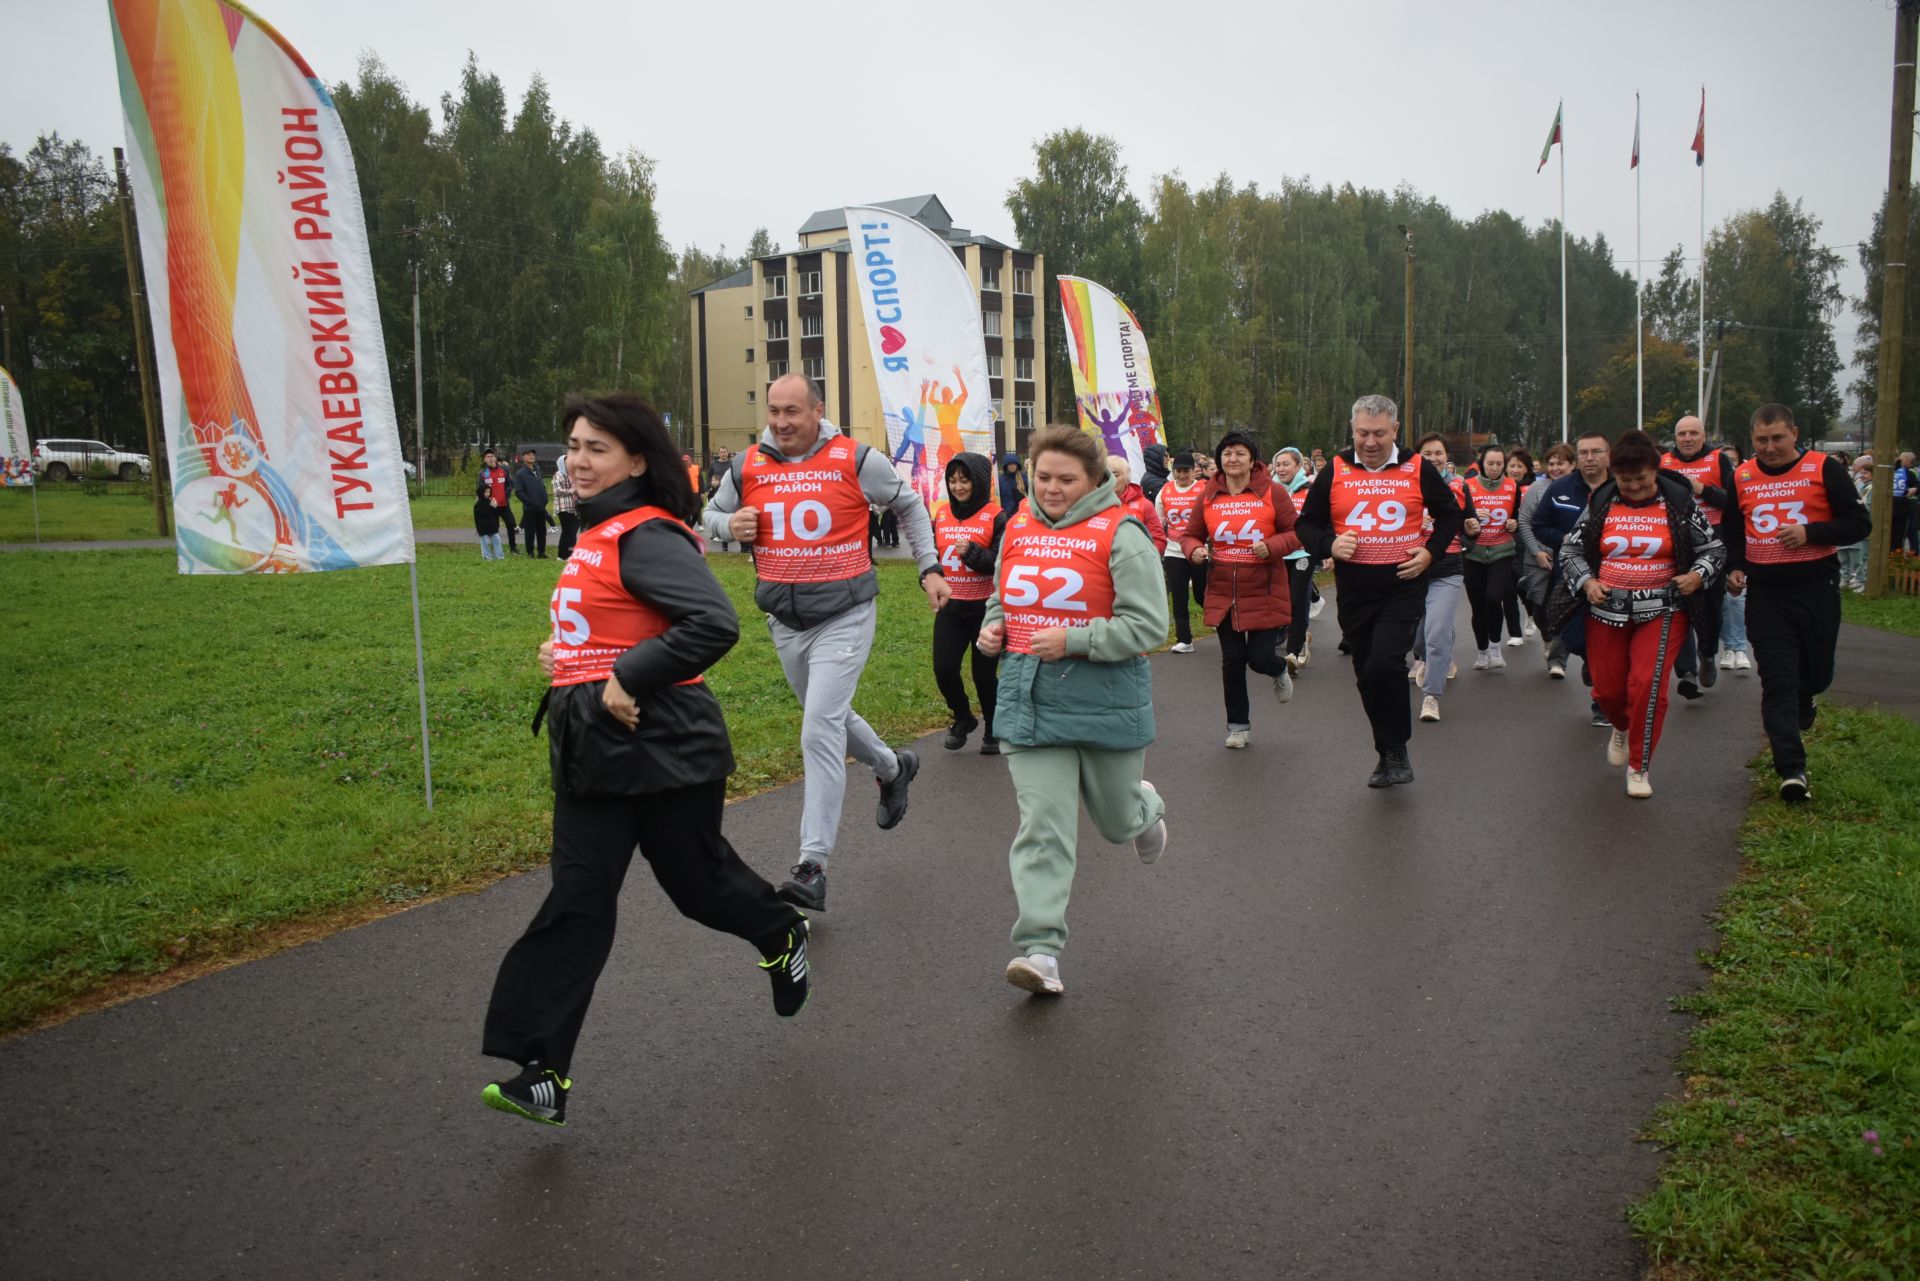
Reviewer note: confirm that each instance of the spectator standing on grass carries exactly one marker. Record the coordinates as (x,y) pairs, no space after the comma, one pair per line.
(531,489)
(486,523)
(495,483)
(563,505)
(639,756)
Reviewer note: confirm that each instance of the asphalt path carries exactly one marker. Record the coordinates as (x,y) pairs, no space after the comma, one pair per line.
(1335,1032)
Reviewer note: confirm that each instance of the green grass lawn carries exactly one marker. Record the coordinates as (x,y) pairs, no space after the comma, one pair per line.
(194,760)
(1795,1151)
(68,514)
(1890,613)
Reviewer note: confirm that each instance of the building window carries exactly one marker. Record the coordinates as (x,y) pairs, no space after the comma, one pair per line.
(993,366)
(990,278)
(776,286)
(1023,280)
(809,284)
(1023,415)
(749,311)
(776,328)
(1023,368)
(990,323)
(815,368)
(1023,327)
(776,369)
(812,325)
(752,395)
(749,355)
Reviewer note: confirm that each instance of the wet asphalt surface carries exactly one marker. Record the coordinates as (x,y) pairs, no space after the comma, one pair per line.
(1333,1033)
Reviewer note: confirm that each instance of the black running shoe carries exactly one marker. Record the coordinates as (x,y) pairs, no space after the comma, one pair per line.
(989,746)
(957,735)
(1399,766)
(893,792)
(788,971)
(1794,789)
(807,887)
(1382,775)
(538,1094)
(1596,717)
(1808,711)
(1687,686)
(1709,674)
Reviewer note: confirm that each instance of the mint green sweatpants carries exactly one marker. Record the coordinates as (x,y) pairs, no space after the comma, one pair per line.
(1051,783)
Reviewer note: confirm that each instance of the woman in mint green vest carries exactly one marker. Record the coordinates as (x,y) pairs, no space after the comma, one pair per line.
(1075,713)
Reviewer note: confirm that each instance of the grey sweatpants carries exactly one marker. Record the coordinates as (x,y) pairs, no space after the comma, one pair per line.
(823,665)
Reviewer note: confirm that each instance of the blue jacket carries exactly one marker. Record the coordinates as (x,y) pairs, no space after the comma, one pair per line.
(1559,509)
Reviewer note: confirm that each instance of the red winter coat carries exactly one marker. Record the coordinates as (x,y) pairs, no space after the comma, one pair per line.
(1259,595)
(1135,500)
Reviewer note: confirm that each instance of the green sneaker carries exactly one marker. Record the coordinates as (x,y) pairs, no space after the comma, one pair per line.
(538,1094)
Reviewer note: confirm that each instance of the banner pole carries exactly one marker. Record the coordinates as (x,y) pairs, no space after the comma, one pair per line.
(1563,281)
(156,456)
(1639,288)
(420,671)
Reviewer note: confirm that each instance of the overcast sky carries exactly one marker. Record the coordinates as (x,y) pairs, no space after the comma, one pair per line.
(866,101)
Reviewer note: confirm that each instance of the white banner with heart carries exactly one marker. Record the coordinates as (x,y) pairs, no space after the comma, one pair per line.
(929,351)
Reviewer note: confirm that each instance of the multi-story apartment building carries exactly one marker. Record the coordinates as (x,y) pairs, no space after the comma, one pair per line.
(796,312)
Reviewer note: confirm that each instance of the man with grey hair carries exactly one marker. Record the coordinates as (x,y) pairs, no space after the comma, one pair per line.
(1366,510)
(799,499)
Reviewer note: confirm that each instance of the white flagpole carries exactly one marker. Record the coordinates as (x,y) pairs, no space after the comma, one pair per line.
(1700,375)
(1563,275)
(1639,287)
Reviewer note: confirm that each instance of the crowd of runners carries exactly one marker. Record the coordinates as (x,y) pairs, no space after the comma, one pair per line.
(1615,559)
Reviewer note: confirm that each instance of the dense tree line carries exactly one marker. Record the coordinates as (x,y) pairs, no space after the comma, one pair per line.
(1273,309)
(543,270)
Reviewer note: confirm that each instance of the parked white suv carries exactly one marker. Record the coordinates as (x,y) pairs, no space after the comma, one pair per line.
(65,458)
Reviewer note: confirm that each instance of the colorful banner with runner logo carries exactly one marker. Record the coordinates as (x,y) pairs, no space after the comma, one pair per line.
(284,450)
(929,351)
(16,450)
(1112,374)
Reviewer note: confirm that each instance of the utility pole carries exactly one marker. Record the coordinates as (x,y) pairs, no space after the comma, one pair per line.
(1406,393)
(155,454)
(1893,295)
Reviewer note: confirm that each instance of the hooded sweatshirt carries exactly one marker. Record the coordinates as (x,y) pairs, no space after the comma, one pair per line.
(1101,694)
(1010,494)
(980,472)
(1154,473)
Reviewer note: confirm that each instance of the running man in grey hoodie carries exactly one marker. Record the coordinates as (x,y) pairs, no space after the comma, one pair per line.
(799,500)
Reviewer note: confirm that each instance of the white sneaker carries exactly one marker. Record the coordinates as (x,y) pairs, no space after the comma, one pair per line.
(1418,672)
(1039,974)
(1514,642)
(1453,670)
(1531,629)
(1429,708)
(1741,662)
(1557,670)
(1306,650)
(1152,843)
(1237,738)
(1617,748)
(1183,647)
(1313,610)
(1283,688)
(1480,661)
(1727,660)
(1639,786)
(1496,660)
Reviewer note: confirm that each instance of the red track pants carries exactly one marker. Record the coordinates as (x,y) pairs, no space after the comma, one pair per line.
(1629,664)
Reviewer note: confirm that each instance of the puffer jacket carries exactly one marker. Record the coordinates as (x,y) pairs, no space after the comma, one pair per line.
(1101,694)
(1257,596)
(682,737)
(1153,474)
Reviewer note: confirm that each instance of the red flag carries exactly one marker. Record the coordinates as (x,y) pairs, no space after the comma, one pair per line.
(1700,133)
